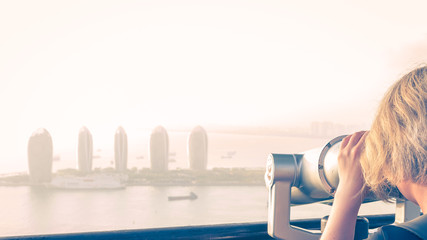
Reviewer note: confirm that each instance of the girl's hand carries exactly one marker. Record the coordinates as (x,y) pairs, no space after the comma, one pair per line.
(349,170)
(349,195)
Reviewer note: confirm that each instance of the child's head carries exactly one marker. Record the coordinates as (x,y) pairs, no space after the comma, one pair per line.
(396,146)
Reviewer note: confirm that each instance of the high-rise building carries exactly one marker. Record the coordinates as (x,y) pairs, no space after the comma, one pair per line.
(198,149)
(159,149)
(85,150)
(40,156)
(120,150)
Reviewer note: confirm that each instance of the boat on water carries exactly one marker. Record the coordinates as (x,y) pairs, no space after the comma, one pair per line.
(89,181)
(191,196)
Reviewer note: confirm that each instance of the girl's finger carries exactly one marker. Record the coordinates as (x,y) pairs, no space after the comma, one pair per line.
(345,142)
(355,138)
(362,140)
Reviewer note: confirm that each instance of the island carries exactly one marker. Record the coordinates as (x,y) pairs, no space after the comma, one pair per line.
(148,177)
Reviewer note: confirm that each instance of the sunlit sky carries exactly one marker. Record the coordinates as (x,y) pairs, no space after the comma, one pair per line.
(101,64)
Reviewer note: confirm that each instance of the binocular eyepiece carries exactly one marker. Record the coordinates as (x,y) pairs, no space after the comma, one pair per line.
(314,174)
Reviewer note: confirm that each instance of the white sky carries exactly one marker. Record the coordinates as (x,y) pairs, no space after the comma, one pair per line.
(65,64)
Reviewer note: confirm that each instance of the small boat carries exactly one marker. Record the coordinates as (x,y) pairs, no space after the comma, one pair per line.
(192,196)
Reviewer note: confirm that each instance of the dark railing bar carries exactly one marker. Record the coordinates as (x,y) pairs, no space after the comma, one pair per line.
(220,231)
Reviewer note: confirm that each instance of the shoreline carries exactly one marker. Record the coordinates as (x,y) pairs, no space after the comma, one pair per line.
(147,177)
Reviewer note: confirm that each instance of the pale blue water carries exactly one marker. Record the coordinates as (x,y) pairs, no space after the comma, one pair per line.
(28,211)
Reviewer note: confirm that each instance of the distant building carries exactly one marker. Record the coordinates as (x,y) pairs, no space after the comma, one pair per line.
(159,149)
(322,129)
(85,150)
(198,149)
(40,156)
(330,129)
(120,150)
(315,129)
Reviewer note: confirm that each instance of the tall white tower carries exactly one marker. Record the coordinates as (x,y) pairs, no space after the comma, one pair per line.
(198,149)
(85,150)
(121,149)
(159,149)
(40,156)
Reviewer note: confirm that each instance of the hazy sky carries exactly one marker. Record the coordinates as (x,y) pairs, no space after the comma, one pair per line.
(65,64)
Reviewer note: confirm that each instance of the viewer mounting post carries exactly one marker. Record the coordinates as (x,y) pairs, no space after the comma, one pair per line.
(282,173)
(306,178)
(299,179)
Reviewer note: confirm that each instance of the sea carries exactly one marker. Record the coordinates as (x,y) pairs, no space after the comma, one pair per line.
(32,211)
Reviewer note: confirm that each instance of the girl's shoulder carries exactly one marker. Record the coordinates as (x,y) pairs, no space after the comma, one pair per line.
(413,230)
(418,226)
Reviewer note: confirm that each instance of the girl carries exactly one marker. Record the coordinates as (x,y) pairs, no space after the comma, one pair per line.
(392,153)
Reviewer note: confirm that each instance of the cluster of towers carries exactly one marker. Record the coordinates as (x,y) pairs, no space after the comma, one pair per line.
(40,151)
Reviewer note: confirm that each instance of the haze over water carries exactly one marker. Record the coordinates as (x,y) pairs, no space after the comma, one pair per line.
(224,151)
(221,64)
(139,64)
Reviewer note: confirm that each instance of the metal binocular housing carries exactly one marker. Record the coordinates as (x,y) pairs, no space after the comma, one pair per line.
(309,177)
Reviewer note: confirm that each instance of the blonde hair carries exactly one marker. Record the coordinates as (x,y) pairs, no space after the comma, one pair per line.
(396,146)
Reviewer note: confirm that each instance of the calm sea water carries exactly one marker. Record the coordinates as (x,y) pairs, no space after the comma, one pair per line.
(28,211)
